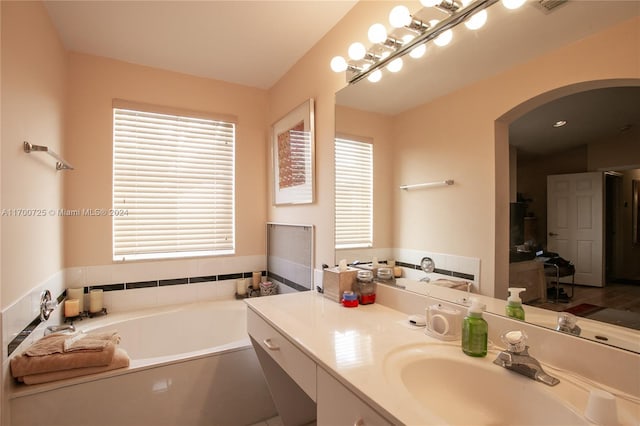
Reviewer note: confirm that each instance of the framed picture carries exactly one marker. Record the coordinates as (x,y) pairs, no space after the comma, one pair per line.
(293,146)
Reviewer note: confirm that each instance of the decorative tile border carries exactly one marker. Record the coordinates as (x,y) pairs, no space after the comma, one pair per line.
(24,334)
(287,282)
(455,274)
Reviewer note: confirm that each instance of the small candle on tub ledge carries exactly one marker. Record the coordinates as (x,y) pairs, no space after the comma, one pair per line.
(256,280)
(77,293)
(241,287)
(95,301)
(71,308)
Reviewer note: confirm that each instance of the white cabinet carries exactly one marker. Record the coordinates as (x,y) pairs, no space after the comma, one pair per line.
(337,406)
(301,390)
(292,360)
(290,374)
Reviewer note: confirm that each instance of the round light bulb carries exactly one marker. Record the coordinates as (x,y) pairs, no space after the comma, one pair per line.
(357,51)
(477,20)
(395,65)
(512,4)
(429,3)
(418,52)
(338,64)
(377,33)
(375,76)
(399,16)
(444,38)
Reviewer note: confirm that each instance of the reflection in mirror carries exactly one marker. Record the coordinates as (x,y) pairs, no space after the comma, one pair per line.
(636,217)
(400,228)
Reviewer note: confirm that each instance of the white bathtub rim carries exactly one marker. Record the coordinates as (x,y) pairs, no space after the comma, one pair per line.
(21,390)
(18,390)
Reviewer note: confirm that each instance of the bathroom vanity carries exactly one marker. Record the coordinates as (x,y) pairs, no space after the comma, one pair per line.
(365,365)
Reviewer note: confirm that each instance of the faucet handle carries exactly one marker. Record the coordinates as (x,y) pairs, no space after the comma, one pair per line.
(516,341)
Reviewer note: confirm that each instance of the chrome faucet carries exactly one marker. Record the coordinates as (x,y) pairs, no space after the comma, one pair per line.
(57,328)
(567,323)
(516,358)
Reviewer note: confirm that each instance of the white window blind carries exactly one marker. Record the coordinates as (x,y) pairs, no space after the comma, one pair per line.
(354,193)
(173,186)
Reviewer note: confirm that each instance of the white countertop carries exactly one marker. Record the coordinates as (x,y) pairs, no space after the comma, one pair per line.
(352,342)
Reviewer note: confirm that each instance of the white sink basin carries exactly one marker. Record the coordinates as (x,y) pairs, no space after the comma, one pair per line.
(462,390)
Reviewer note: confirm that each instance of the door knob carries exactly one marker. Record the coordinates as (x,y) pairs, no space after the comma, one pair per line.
(553,234)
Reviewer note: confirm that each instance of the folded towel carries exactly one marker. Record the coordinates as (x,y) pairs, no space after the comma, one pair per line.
(90,341)
(120,360)
(56,343)
(458,285)
(23,364)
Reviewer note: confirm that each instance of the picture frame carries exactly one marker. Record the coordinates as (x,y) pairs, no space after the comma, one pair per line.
(293,153)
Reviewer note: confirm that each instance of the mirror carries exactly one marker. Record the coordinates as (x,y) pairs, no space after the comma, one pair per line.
(377,113)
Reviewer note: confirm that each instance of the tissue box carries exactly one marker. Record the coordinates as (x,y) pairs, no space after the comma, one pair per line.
(335,282)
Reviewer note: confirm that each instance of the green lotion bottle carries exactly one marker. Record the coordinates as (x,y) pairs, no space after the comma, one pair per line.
(514,307)
(475,331)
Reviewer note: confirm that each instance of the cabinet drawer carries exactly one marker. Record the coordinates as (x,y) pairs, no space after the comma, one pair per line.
(293,361)
(337,405)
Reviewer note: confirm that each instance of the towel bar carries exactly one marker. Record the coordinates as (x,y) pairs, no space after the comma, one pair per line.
(60,163)
(428,184)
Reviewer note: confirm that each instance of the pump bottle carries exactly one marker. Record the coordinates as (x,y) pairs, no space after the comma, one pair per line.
(514,307)
(475,331)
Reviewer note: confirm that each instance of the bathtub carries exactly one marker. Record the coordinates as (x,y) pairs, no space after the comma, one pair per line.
(191,364)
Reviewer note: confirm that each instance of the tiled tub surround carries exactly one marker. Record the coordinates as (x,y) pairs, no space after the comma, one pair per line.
(446,265)
(208,278)
(191,364)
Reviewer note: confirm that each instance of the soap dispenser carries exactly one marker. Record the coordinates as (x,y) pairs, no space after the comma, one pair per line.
(514,307)
(475,330)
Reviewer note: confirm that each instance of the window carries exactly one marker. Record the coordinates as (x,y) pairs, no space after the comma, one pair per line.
(173,185)
(354,193)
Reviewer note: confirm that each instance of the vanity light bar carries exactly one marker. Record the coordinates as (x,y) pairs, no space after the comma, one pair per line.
(430,34)
(427,185)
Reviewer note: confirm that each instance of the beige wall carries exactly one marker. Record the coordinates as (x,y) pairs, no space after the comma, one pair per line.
(33,98)
(93,83)
(624,150)
(532,181)
(379,129)
(471,217)
(312,77)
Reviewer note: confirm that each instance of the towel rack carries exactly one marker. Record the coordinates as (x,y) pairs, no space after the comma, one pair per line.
(60,163)
(427,185)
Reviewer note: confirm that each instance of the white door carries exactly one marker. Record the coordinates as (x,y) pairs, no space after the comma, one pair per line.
(575,223)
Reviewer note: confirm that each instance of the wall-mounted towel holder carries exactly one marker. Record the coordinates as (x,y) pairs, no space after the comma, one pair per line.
(60,163)
(427,185)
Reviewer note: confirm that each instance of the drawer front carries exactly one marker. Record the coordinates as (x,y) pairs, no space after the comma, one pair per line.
(338,406)
(293,361)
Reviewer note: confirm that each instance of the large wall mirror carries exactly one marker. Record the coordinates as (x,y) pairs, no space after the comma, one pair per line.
(456,114)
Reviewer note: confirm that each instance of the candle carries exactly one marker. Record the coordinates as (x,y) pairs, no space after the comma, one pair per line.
(77,293)
(71,308)
(95,301)
(256,280)
(241,287)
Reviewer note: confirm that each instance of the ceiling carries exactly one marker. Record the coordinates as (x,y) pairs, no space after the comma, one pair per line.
(592,116)
(253,43)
